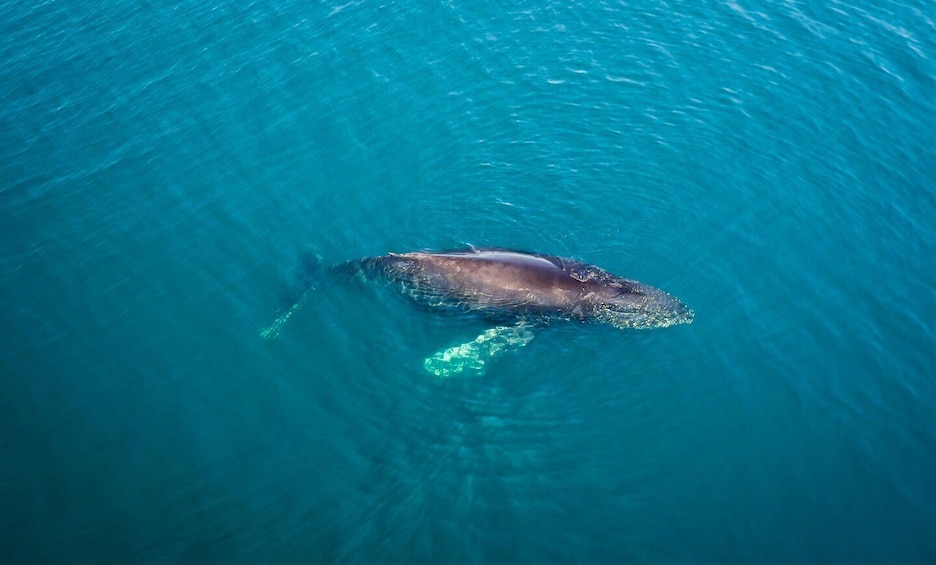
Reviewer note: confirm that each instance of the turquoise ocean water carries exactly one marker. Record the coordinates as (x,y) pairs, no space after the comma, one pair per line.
(163,166)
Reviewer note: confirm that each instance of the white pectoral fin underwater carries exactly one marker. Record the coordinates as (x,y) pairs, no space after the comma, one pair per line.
(308,273)
(471,358)
(500,284)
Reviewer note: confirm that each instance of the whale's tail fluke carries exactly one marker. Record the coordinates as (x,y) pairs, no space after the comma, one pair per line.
(308,271)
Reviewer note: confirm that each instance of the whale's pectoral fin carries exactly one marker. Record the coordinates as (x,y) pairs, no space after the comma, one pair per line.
(472,357)
(273,330)
(309,272)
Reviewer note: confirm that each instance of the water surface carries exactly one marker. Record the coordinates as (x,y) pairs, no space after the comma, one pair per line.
(164,166)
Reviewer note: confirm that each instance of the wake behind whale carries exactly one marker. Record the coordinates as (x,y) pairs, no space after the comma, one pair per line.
(524,288)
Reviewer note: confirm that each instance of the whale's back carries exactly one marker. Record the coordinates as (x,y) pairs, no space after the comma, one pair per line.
(495,279)
(517,284)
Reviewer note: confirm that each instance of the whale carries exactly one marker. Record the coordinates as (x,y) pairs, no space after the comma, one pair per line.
(527,286)
(517,291)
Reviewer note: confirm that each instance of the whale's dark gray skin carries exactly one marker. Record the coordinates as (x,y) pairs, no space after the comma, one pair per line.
(527,286)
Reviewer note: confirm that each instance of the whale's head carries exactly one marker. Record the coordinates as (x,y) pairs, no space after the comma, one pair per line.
(631,304)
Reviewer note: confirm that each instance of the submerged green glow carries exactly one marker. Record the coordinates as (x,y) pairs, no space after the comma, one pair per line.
(471,357)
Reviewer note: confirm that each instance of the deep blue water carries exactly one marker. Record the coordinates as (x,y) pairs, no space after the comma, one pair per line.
(163,166)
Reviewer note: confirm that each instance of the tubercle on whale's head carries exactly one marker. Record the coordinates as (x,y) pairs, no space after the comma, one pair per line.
(641,307)
(683,314)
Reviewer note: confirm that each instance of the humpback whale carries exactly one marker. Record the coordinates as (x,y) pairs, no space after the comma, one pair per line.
(523,289)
